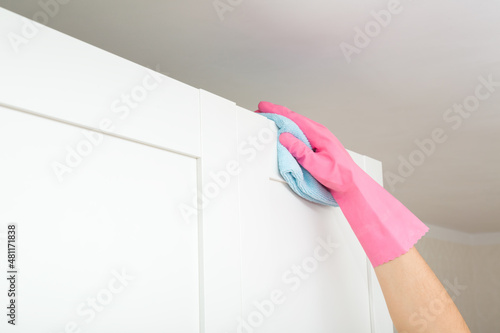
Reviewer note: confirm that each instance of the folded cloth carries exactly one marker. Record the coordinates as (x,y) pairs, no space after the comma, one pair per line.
(298,178)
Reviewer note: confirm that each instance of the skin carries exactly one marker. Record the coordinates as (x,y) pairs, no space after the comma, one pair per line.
(416,299)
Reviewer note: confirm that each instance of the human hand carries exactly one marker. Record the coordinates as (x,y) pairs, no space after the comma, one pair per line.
(385,228)
(328,161)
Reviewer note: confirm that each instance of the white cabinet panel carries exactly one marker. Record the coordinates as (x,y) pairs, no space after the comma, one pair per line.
(303,269)
(374,169)
(70,80)
(257,139)
(382,322)
(220,215)
(105,250)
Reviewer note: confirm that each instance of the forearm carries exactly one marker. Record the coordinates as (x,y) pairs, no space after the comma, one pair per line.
(416,299)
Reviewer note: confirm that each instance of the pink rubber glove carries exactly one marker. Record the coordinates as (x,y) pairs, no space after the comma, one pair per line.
(385,228)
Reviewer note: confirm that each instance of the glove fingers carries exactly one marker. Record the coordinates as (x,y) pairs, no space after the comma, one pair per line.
(308,126)
(302,153)
(268,107)
(320,165)
(296,147)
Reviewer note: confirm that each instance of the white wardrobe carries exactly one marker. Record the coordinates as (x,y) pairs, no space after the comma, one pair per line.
(142,204)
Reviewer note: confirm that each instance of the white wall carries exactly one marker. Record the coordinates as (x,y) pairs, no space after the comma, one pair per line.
(468,265)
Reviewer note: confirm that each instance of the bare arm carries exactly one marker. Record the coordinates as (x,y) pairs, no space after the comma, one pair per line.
(416,299)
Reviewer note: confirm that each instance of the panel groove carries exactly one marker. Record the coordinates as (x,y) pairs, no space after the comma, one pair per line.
(97,130)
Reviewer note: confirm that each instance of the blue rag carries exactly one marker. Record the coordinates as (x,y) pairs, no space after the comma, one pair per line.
(298,178)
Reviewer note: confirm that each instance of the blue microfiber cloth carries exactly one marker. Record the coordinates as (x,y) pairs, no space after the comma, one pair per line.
(298,178)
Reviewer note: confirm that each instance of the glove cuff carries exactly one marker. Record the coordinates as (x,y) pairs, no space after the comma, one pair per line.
(385,228)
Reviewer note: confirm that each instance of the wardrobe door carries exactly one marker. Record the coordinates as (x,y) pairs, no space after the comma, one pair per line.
(303,269)
(48,72)
(106,248)
(171,218)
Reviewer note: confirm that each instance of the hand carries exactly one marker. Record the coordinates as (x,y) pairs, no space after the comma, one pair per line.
(328,161)
(384,226)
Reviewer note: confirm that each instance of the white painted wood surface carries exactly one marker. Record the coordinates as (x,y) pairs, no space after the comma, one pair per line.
(252,253)
(302,265)
(70,80)
(221,285)
(116,213)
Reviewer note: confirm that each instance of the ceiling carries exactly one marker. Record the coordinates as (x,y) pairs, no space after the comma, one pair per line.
(387,94)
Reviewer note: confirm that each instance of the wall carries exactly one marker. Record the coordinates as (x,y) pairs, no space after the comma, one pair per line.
(468,265)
